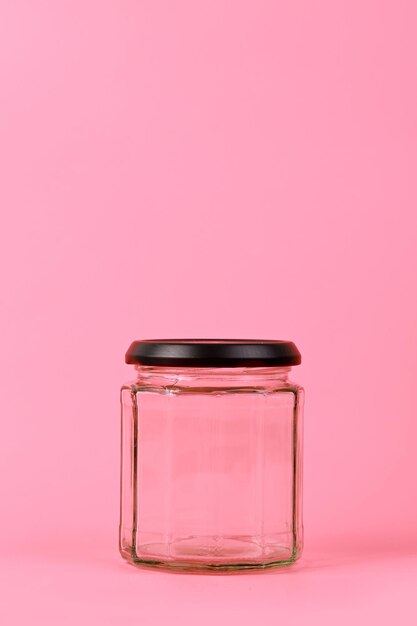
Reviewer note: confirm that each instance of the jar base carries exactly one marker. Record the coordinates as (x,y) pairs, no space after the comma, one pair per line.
(211,554)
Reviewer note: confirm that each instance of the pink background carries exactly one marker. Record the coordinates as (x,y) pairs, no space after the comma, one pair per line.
(222,168)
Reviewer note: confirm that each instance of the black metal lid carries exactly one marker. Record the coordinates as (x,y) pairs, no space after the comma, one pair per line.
(213,353)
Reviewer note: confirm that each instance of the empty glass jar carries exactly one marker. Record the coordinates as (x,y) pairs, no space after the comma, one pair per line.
(211,455)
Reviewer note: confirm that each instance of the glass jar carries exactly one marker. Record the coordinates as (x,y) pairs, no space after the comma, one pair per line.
(211,455)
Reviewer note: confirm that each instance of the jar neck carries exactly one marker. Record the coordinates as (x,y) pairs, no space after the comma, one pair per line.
(212,376)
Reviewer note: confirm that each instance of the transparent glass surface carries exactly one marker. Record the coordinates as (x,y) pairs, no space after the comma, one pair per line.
(211,468)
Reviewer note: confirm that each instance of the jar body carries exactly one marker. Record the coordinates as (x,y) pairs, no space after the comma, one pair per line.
(211,472)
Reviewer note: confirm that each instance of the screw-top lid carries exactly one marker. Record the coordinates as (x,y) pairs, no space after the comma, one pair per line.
(213,353)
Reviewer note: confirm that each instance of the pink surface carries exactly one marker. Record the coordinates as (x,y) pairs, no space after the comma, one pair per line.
(221,169)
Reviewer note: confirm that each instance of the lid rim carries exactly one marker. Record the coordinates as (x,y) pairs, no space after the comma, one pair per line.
(213,353)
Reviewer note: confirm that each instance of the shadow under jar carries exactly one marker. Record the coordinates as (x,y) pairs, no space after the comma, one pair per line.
(211,465)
